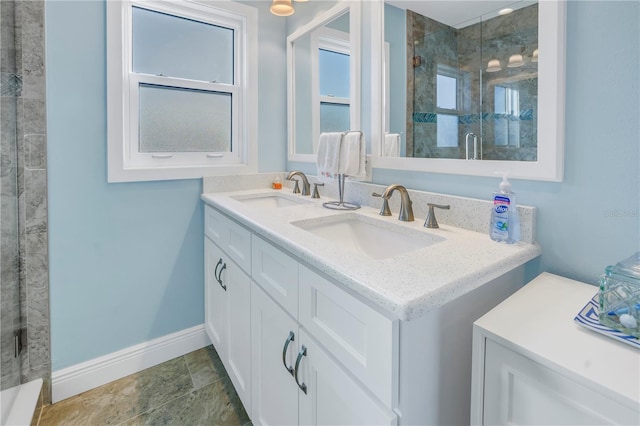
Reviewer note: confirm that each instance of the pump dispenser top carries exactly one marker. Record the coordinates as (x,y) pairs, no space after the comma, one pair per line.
(505,185)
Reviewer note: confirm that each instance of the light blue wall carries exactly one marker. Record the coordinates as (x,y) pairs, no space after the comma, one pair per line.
(592,218)
(126,260)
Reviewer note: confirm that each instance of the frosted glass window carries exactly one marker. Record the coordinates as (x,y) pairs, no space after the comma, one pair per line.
(183,120)
(446,92)
(447,131)
(182,48)
(334,117)
(334,73)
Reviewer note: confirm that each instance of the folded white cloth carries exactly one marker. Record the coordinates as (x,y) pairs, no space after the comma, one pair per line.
(328,157)
(391,147)
(352,156)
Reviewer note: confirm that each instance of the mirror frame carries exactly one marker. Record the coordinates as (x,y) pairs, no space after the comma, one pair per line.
(354,9)
(551,108)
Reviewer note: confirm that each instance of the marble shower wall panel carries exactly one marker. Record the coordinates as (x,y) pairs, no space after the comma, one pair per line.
(516,33)
(32,141)
(30,176)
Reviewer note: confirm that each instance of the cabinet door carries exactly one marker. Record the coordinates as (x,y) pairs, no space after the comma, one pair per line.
(332,396)
(238,328)
(215,298)
(274,392)
(227,312)
(518,390)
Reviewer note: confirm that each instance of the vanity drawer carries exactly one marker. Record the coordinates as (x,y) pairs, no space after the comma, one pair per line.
(362,339)
(277,273)
(231,237)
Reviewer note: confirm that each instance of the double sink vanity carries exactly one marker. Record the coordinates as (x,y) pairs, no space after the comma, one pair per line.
(323,316)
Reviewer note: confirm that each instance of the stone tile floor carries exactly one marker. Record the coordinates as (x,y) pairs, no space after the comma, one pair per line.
(190,390)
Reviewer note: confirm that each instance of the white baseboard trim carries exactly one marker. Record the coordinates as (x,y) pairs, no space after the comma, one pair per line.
(82,377)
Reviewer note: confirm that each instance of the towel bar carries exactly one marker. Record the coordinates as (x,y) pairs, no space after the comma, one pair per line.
(340,205)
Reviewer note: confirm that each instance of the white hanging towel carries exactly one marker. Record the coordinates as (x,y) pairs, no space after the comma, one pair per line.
(352,156)
(328,157)
(391,146)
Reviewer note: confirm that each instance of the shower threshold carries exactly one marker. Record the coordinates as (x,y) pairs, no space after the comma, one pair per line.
(19,403)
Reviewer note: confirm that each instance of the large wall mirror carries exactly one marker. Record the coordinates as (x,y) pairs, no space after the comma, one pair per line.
(472,87)
(323,75)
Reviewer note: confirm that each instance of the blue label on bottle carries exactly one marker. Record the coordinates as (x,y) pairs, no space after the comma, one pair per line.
(499,199)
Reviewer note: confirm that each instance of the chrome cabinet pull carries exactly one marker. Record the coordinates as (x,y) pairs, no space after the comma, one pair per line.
(219,277)
(284,352)
(302,386)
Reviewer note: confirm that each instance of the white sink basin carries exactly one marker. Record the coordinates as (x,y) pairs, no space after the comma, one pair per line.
(271,200)
(374,238)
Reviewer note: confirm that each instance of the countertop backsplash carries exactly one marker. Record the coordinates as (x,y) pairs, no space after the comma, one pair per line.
(467,213)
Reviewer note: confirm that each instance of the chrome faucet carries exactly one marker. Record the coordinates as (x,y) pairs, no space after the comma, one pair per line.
(306,188)
(406,211)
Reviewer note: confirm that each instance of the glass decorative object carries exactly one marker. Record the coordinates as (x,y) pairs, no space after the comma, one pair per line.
(620,296)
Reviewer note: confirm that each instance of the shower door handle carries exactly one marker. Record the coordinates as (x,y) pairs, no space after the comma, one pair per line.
(475,146)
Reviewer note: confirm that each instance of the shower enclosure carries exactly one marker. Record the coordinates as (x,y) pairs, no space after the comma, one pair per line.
(472,88)
(24,284)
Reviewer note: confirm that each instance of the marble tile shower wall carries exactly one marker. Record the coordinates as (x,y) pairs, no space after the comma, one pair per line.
(469,49)
(28,163)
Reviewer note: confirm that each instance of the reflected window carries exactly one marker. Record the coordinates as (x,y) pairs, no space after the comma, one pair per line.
(507,116)
(447,105)
(333,76)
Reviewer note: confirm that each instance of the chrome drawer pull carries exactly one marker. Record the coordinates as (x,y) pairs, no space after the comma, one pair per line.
(284,352)
(302,386)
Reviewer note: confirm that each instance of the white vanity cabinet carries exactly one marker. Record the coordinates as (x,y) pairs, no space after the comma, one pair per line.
(305,333)
(261,319)
(533,365)
(227,299)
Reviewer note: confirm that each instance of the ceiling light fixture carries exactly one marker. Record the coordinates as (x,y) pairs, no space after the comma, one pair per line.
(494,66)
(281,7)
(515,61)
(505,11)
(534,57)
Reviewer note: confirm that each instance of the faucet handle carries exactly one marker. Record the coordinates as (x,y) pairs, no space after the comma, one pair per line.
(316,194)
(384,210)
(296,188)
(431,221)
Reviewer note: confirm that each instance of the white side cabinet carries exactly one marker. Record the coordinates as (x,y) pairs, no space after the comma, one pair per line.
(533,365)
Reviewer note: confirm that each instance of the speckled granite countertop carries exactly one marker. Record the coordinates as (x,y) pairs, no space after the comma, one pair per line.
(406,285)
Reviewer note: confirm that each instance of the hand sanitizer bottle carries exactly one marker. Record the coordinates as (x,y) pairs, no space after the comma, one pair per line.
(505,223)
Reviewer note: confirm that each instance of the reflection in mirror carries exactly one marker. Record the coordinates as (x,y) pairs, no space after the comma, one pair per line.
(322,91)
(469,79)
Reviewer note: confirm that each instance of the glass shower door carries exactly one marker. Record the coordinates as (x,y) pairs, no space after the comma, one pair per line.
(10,90)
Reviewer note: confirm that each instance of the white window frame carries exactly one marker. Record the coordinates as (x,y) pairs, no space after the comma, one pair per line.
(125,162)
